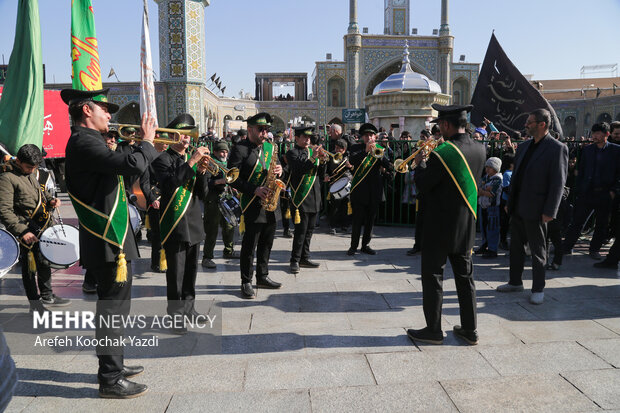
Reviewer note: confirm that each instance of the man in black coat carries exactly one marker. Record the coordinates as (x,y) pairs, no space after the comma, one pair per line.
(92,173)
(184,182)
(450,231)
(536,189)
(367,187)
(252,157)
(305,203)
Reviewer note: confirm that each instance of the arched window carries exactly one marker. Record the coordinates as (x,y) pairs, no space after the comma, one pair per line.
(335,92)
(129,114)
(570,126)
(460,91)
(604,117)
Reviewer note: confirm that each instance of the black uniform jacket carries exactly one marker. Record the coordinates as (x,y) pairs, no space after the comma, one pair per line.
(449,224)
(300,164)
(91,173)
(171,172)
(244,156)
(370,190)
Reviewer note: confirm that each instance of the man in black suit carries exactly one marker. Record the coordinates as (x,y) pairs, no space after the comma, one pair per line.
(448,183)
(367,186)
(305,168)
(253,158)
(537,185)
(598,179)
(92,173)
(184,182)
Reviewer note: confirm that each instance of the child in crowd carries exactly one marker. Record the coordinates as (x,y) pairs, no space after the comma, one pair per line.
(489,194)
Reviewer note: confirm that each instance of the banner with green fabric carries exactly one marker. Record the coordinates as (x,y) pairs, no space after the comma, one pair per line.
(258,175)
(177,207)
(362,170)
(455,163)
(300,193)
(110,228)
(85,68)
(21,106)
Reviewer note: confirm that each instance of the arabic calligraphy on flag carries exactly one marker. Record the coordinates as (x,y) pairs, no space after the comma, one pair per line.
(85,67)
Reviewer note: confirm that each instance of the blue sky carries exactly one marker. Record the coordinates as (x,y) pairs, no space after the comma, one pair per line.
(551,39)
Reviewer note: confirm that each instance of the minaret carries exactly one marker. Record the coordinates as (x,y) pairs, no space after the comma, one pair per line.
(182,57)
(446,46)
(353,44)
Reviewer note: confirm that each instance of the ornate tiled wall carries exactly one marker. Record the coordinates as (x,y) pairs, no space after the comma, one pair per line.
(324,72)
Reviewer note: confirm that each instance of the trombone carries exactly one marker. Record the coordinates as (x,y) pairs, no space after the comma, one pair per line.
(230,174)
(174,135)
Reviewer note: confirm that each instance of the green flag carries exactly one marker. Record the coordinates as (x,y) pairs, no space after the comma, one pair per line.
(85,70)
(21,106)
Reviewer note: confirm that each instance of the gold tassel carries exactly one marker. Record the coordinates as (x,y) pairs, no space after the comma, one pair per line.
(241,225)
(163,263)
(32,264)
(417,205)
(147,222)
(297,217)
(287,215)
(349,209)
(121,269)
(329,196)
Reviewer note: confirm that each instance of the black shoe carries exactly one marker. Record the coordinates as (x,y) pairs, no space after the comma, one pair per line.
(129,371)
(414,250)
(480,250)
(232,255)
(267,282)
(489,254)
(425,336)
(89,288)
(36,306)
(155,268)
(504,245)
(595,255)
(192,315)
(287,233)
(607,264)
(470,336)
(247,291)
(367,250)
(122,389)
(351,251)
(182,330)
(294,268)
(309,264)
(208,263)
(553,266)
(55,301)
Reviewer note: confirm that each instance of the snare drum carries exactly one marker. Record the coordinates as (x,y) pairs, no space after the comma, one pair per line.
(230,209)
(341,188)
(9,251)
(60,245)
(134,219)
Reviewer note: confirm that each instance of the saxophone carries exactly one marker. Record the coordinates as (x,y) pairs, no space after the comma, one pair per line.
(273,184)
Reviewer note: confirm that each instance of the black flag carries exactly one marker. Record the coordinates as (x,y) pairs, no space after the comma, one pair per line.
(504,95)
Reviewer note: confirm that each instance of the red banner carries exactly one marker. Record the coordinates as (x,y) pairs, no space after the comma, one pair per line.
(56,128)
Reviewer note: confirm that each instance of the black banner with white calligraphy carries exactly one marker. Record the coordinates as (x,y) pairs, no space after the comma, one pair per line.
(504,95)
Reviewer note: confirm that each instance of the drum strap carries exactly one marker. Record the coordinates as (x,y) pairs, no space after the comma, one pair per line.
(362,171)
(455,163)
(177,206)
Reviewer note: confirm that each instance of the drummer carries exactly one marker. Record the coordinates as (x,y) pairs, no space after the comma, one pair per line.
(213,218)
(25,211)
(337,208)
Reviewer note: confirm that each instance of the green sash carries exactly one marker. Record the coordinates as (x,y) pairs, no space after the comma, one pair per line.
(258,175)
(458,169)
(300,193)
(362,170)
(111,228)
(177,207)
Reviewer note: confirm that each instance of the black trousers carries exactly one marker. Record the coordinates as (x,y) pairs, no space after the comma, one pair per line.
(182,259)
(362,215)
(433,264)
(554,236)
(419,223)
(534,232)
(259,238)
(154,216)
(284,205)
(337,213)
(42,278)
(303,236)
(114,300)
(504,222)
(600,203)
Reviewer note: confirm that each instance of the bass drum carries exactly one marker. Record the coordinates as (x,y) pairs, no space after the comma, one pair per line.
(60,245)
(230,209)
(9,251)
(134,219)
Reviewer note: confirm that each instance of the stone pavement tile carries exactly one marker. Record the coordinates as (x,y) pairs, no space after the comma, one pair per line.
(429,365)
(312,371)
(236,322)
(260,344)
(330,275)
(18,404)
(541,358)
(536,393)
(400,300)
(341,302)
(491,329)
(359,262)
(250,401)
(61,403)
(378,286)
(601,386)
(398,318)
(564,330)
(576,309)
(299,322)
(612,323)
(418,397)
(359,341)
(584,291)
(607,349)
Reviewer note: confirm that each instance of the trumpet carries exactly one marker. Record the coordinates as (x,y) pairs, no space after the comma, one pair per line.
(377,152)
(230,174)
(174,135)
(337,157)
(427,146)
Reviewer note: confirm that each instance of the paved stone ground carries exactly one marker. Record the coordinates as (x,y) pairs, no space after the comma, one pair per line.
(333,340)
